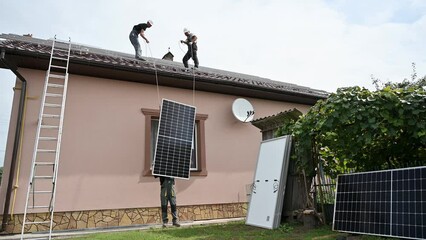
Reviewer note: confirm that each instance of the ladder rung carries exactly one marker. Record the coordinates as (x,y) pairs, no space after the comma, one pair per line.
(47,138)
(43,177)
(56,66)
(49,127)
(55,85)
(60,58)
(52,105)
(51,116)
(44,163)
(56,76)
(46,150)
(39,192)
(59,49)
(33,223)
(57,40)
(37,238)
(53,95)
(33,207)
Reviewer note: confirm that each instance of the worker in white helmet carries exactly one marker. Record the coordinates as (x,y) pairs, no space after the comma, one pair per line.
(191,42)
(134,34)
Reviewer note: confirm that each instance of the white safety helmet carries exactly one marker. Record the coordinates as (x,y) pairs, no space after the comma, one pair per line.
(185,30)
(150,22)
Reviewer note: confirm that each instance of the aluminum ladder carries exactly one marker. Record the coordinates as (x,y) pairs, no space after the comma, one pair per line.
(41,192)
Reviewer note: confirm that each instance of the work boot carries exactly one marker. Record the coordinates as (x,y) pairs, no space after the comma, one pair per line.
(176,224)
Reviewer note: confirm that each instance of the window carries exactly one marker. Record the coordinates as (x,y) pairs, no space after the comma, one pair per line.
(198,160)
(154,132)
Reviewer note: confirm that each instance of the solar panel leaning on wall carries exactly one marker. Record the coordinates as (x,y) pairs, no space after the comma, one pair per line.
(172,157)
(385,203)
(270,179)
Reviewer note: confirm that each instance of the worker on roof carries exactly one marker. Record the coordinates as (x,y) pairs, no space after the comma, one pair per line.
(134,34)
(191,42)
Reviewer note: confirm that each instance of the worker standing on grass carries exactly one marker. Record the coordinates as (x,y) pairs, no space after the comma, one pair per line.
(134,34)
(191,41)
(168,195)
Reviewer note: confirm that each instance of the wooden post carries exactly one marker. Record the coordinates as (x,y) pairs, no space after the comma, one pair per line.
(316,163)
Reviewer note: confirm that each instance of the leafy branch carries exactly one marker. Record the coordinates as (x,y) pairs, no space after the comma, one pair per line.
(363,130)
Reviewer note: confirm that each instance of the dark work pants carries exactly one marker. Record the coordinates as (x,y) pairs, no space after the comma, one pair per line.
(189,55)
(168,195)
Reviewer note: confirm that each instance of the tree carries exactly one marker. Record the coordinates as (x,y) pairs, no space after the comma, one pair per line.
(363,130)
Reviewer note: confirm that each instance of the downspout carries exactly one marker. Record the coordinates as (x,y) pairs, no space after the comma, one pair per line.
(19,121)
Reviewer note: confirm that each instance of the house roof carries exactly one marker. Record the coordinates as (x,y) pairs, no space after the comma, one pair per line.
(28,52)
(277,120)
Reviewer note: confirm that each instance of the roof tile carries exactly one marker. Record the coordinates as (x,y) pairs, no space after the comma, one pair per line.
(85,53)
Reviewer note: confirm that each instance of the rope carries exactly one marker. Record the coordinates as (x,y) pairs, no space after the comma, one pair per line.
(193,76)
(193,72)
(179,44)
(193,87)
(156,77)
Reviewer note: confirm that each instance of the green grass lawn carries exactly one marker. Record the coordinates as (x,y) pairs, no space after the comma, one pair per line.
(233,230)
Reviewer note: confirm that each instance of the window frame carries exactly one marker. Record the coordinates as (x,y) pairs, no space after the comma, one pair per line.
(201,148)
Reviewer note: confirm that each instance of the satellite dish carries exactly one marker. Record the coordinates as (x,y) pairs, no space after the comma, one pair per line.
(242,110)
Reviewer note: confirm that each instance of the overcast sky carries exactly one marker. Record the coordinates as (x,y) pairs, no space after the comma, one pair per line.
(322,44)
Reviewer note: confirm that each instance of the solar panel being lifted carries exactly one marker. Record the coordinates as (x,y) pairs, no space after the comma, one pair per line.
(386,203)
(173,150)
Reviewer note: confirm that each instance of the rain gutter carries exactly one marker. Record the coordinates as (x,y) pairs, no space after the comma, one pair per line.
(19,122)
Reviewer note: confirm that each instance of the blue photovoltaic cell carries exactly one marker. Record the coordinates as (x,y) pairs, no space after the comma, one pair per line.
(388,203)
(173,151)
(409,203)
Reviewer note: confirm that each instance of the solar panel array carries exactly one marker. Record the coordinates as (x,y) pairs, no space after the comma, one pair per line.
(386,203)
(173,150)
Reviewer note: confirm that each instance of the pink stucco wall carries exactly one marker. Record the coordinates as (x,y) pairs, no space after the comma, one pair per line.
(102,155)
